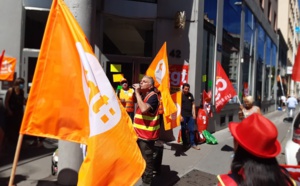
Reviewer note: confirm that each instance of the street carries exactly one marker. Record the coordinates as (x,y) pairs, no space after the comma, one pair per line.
(178,168)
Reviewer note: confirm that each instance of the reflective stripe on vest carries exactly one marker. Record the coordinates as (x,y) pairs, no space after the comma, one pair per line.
(128,97)
(146,124)
(226,180)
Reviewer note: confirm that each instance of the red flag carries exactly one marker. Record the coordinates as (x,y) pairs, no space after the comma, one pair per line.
(224,89)
(86,110)
(206,98)
(1,59)
(296,67)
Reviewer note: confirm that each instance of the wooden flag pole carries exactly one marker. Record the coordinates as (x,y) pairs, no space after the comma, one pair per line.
(241,104)
(14,167)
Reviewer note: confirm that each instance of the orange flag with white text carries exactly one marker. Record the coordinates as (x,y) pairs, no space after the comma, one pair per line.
(7,67)
(72,99)
(159,70)
(174,120)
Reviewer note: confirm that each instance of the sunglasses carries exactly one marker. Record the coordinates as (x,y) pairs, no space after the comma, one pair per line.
(123,82)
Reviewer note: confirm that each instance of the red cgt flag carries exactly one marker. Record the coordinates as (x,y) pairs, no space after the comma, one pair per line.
(224,89)
(206,98)
(296,67)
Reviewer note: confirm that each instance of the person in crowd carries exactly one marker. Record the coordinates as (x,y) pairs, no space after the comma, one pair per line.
(188,116)
(256,147)
(291,103)
(248,108)
(126,96)
(14,108)
(283,102)
(146,123)
(2,125)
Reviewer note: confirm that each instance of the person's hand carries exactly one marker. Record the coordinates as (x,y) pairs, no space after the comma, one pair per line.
(122,100)
(241,114)
(181,119)
(136,87)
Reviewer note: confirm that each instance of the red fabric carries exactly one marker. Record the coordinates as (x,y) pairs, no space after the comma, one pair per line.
(296,67)
(202,120)
(224,89)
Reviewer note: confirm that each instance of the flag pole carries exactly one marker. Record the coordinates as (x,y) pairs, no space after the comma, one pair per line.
(241,104)
(16,158)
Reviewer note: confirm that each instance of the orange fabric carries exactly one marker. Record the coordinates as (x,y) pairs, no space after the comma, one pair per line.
(72,99)
(159,70)
(7,68)
(174,120)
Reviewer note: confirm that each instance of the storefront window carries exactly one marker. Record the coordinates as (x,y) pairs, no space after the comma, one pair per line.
(260,45)
(268,69)
(231,39)
(248,52)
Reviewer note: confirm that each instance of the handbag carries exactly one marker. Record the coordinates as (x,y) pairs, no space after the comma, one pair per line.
(210,139)
(199,138)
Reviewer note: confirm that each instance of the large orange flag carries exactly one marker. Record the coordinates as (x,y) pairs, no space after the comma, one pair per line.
(7,67)
(159,70)
(174,120)
(72,99)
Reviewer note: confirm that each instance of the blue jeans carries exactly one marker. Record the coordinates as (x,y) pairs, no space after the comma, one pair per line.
(188,124)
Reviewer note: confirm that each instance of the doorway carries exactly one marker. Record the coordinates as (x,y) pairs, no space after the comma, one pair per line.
(30,57)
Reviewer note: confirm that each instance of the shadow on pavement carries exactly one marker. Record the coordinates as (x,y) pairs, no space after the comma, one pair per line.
(27,151)
(166,178)
(199,178)
(18,178)
(227,148)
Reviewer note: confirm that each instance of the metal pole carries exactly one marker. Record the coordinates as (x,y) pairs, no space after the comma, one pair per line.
(218,46)
(70,154)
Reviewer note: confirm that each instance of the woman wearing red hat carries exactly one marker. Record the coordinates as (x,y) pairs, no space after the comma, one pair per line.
(256,147)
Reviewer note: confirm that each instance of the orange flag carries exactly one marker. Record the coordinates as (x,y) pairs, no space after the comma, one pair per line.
(7,67)
(71,98)
(159,70)
(174,120)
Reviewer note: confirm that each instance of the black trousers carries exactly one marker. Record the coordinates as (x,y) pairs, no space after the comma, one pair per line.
(147,150)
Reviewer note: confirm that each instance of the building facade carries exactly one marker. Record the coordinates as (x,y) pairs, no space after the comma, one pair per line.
(242,35)
(288,21)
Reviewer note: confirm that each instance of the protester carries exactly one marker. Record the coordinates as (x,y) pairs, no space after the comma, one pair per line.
(248,108)
(126,96)
(256,147)
(14,105)
(188,116)
(291,103)
(2,125)
(283,102)
(146,123)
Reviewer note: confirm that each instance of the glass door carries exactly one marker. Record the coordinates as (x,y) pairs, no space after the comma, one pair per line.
(28,65)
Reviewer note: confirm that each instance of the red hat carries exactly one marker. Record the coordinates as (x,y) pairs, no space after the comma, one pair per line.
(257,135)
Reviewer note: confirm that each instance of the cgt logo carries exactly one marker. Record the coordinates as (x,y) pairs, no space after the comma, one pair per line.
(104,108)
(221,85)
(160,71)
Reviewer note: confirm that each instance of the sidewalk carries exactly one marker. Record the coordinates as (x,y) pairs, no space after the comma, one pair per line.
(178,168)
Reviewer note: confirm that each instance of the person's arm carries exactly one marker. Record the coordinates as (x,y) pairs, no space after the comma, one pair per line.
(194,110)
(7,98)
